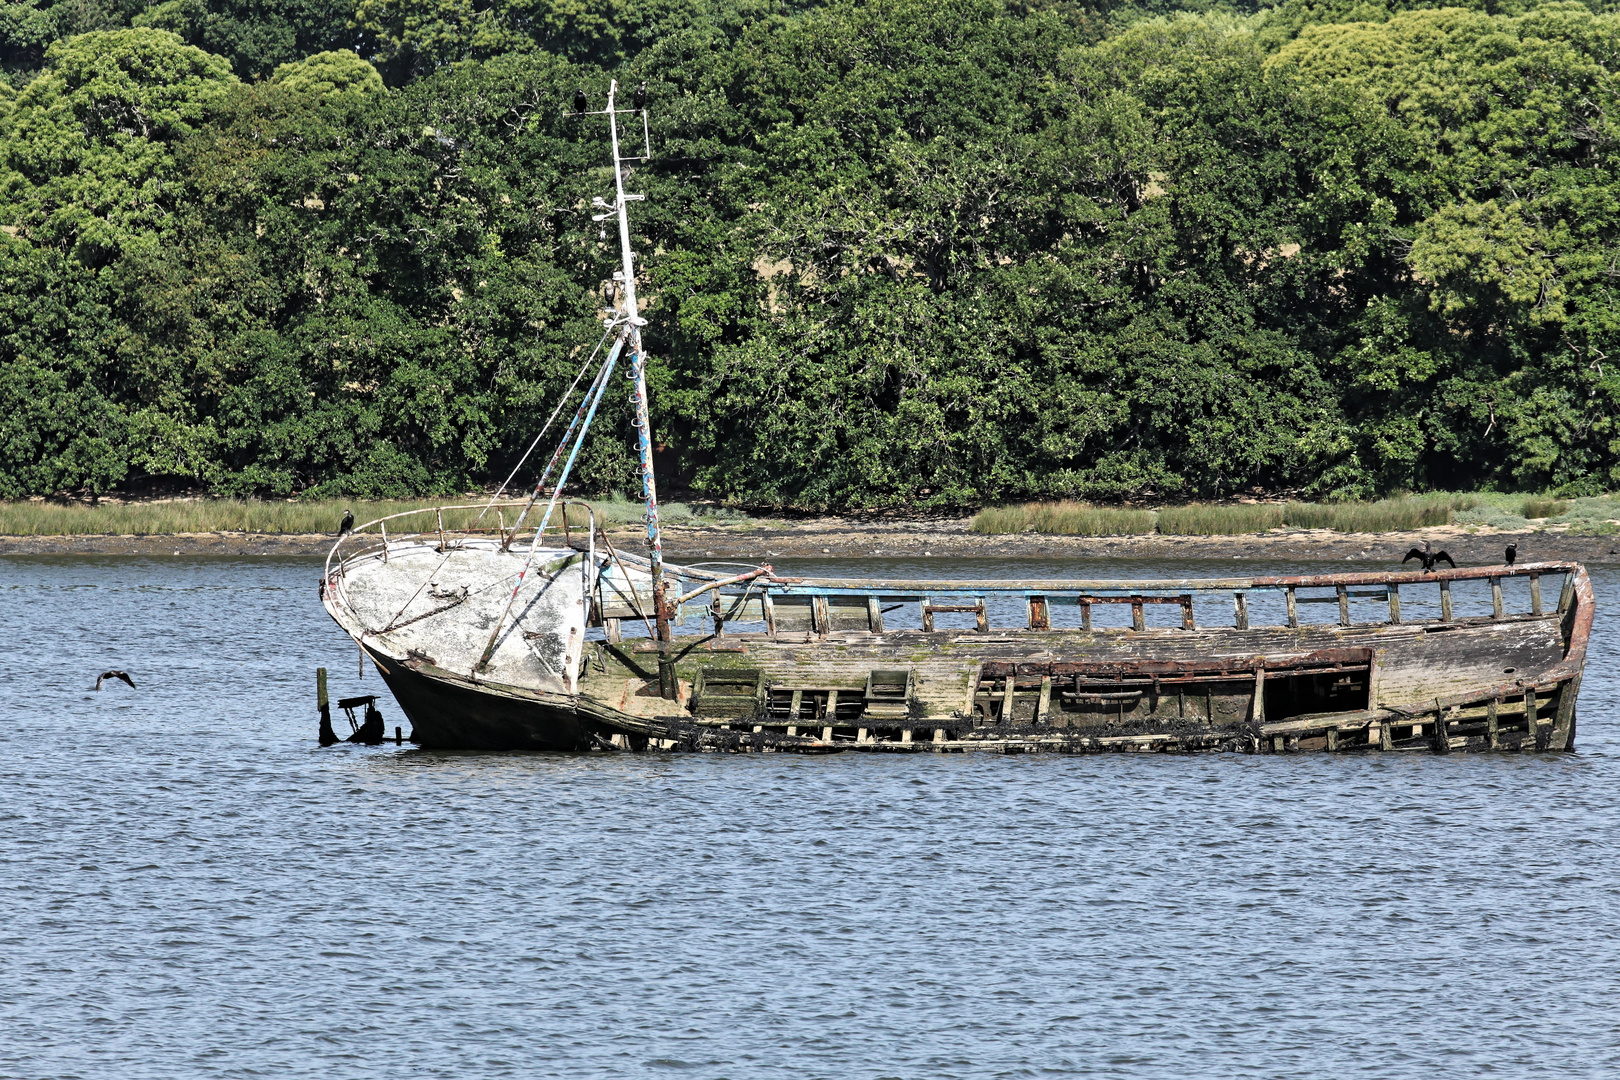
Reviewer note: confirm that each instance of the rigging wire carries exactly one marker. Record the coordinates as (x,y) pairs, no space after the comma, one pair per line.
(595,388)
(593,399)
(567,394)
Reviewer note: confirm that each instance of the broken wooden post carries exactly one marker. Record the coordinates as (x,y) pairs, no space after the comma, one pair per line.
(1496,598)
(1040,613)
(1535,594)
(1138,618)
(1045,703)
(1293,607)
(1564,716)
(1344,605)
(1187,622)
(1442,730)
(874,614)
(1394,592)
(1240,610)
(1007,696)
(1491,731)
(1445,601)
(326,734)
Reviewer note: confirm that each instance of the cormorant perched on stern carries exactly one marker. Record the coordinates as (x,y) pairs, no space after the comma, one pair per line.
(347,523)
(1512,553)
(1428,557)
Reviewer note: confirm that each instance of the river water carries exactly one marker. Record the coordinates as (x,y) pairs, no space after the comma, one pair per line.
(190,887)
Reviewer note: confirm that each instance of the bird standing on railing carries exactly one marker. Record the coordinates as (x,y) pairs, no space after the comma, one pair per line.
(579,101)
(641,96)
(1512,553)
(347,523)
(1428,557)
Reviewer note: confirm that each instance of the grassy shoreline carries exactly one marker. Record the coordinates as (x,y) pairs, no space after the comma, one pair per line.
(1598,515)
(302,518)
(1586,516)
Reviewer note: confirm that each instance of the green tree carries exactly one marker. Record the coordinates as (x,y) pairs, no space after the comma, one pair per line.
(86,151)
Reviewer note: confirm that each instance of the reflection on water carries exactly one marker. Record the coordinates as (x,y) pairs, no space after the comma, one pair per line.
(193,888)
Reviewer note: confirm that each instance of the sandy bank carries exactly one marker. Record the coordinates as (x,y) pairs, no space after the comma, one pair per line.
(848,538)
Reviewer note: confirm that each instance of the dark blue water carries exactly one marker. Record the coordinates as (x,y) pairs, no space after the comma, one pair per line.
(190,887)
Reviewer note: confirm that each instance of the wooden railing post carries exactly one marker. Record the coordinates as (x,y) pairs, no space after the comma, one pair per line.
(1040,614)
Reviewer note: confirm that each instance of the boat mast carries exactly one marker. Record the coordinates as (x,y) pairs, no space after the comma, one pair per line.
(638,373)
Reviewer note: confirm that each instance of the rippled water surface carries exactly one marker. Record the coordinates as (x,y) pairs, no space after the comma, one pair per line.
(190,887)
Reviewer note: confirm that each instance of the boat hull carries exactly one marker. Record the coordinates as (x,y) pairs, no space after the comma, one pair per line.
(448,714)
(819,665)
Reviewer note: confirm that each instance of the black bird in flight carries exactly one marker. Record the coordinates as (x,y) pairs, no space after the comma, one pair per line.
(579,101)
(347,523)
(641,96)
(1512,553)
(105,675)
(1428,557)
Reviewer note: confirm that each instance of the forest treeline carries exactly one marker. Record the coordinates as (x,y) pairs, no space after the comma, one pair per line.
(898,252)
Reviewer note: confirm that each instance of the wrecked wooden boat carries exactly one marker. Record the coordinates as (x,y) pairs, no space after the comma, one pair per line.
(532,636)
(1469,659)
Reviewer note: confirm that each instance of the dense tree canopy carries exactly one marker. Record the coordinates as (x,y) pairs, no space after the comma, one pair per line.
(898,252)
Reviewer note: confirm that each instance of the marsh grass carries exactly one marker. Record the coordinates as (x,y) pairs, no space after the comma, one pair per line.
(1543,508)
(1226,519)
(1215,519)
(185,516)
(1063,519)
(1387,515)
(304,518)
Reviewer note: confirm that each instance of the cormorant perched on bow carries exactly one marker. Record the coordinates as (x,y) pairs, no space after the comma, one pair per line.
(1512,553)
(1428,557)
(579,101)
(105,675)
(641,96)
(347,523)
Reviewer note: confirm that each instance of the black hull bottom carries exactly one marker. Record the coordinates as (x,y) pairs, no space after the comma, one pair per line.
(444,716)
